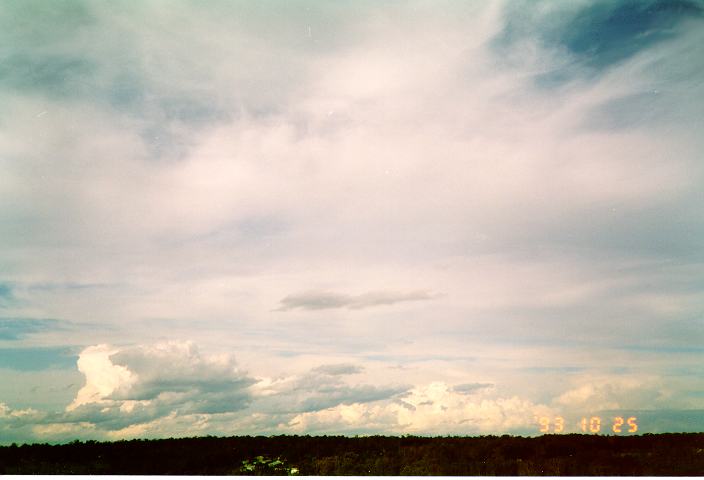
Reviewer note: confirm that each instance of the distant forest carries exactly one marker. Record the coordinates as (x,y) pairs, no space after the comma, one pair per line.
(661,454)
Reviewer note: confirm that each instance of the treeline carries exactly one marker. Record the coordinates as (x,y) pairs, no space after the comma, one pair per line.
(662,454)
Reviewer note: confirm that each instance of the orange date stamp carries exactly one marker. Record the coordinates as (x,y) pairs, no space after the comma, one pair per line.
(593,424)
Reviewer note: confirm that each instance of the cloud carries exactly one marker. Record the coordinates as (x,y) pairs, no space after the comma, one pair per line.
(166,388)
(427,409)
(130,385)
(539,164)
(339,369)
(102,377)
(320,388)
(9,413)
(468,388)
(17,424)
(593,392)
(171,388)
(321,300)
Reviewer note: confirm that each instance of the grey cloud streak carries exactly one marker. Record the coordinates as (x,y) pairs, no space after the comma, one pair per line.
(470,388)
(339,369)
(323,300)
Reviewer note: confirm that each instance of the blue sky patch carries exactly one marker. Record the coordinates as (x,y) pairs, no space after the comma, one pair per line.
(597,36)
(60,75)
(37,358)
(18,328)
(608,32)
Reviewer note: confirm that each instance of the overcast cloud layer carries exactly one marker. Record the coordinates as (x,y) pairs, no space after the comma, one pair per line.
(233,217)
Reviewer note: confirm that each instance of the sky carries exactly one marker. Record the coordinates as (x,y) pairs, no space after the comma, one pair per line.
(351,217)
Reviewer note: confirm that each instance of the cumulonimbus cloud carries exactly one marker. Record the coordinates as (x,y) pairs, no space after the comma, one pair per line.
(164,377)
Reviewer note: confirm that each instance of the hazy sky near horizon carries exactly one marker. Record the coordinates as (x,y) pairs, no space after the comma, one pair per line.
(425,217)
